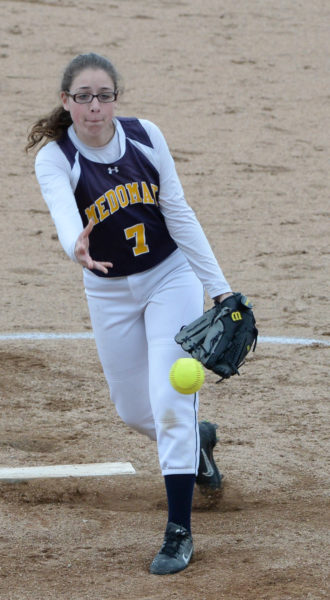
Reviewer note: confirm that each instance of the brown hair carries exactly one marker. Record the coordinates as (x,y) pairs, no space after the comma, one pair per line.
(53,125)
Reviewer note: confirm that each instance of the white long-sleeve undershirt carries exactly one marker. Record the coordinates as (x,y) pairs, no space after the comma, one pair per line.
(58,181)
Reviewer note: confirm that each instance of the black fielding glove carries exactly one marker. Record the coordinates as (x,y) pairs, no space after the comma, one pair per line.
(222,337)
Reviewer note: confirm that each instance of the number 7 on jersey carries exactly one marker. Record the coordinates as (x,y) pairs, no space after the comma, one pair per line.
(138,232)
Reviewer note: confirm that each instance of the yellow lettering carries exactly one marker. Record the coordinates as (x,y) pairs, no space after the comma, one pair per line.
(137,232)
(122,195)
(104,213)
(147,197)
(236,316)
(112,201)
(90,213)
(134,194)
(154,191)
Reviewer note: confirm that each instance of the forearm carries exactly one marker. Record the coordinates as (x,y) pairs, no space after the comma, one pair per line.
(191,239)
(182,223)
(54,181)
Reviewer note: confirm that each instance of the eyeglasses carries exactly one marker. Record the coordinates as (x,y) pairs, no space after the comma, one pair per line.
(84,98)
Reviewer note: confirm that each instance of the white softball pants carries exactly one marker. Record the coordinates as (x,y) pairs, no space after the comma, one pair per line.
(134,320)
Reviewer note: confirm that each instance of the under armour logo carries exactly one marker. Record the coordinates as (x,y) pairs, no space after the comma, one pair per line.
(113,169)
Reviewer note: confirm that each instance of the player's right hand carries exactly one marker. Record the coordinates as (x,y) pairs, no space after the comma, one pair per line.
(81,251)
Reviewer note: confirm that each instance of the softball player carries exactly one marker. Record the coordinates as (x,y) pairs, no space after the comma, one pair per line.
(118,206)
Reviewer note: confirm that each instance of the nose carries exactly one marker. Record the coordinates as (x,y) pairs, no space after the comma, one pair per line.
(95,105)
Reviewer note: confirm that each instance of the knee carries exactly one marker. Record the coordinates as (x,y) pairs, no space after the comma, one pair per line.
(144,425)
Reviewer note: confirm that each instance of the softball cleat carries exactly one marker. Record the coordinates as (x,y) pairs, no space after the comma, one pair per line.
(208,478)
(175,553)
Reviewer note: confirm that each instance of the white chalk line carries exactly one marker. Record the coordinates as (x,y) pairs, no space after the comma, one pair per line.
(292,341)
(39,335)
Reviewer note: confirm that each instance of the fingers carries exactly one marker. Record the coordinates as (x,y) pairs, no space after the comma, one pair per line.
(102,266)
(86,232)
(87,262)
(82,243)
(88,228)
(82,251)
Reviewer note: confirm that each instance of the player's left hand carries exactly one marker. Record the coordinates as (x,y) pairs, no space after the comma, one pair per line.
(82,251)
(222,337)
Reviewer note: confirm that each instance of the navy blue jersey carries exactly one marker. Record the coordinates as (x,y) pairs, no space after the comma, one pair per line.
(122,200)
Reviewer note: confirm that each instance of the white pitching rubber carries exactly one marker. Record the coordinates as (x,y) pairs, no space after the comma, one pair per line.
(52,471)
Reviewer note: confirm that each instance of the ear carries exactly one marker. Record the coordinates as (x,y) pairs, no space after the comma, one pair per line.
(65,101)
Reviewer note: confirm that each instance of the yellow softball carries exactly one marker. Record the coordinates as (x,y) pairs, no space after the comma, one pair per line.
(187,375)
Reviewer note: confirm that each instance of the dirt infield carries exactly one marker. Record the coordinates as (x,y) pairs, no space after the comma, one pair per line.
(241,91)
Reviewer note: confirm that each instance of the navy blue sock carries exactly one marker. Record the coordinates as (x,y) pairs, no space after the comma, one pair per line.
(180,489)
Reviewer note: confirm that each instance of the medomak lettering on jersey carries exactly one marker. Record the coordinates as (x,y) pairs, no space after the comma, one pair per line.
(121,196)
(122,200)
